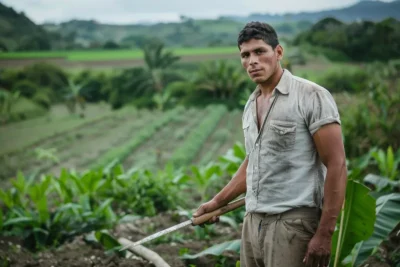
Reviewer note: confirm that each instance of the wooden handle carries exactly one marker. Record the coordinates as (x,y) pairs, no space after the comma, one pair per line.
(207,216)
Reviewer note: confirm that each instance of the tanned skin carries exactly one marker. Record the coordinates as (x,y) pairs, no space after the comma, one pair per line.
(262,63)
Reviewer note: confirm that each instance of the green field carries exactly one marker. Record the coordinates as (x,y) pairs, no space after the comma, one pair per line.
(149,139)
(94,55)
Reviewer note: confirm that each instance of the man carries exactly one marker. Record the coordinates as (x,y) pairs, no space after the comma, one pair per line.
(294,174)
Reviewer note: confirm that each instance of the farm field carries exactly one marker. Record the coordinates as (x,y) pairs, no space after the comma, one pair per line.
(113,54)
(108,58)
(138,138)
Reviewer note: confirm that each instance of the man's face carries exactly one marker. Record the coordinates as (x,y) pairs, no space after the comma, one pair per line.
(259,59)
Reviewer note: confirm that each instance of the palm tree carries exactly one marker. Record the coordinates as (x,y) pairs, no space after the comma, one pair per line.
(75,97)
(221,78)
(157,61)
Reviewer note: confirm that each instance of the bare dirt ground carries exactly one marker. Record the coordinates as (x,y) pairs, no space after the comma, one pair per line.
(120,63)
(81,253)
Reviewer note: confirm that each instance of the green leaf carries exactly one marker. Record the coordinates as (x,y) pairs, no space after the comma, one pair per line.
(19,220)
(41,206)
(379,182)
(181,179)
(103,206)
(387,218)
(106,240)
(390,163)
(84,201)
(1,219)
(230,221)
(216,250)
(109,242)
(357,221)
(6,198)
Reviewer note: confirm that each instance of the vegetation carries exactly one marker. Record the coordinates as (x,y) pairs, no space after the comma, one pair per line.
(358,41)
(100,55)
(154,141)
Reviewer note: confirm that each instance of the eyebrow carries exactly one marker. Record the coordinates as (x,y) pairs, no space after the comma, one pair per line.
(255,49)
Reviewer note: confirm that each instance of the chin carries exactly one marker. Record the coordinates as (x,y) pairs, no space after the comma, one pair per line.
(258,79)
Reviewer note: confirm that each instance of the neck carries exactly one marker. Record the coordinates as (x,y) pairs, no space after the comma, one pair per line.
(269,85)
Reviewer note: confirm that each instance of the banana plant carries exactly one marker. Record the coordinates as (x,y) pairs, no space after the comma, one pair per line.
(387,218)
(356,222)
(387,162)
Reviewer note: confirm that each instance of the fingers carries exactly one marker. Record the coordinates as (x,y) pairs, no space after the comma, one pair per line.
(310,261)
(199,212)
(325,262)
(316,261)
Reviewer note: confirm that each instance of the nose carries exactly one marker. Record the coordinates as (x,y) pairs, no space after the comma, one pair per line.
(253,59)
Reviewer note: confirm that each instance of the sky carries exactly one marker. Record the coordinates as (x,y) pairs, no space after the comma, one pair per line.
(150,11)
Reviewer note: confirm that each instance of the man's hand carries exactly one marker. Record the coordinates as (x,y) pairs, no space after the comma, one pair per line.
(318,251)
(208,207)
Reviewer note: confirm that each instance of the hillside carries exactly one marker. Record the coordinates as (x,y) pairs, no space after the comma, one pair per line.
(16,30)
(363,10)
(186,33)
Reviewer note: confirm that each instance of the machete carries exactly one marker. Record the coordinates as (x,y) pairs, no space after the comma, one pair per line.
(193,221)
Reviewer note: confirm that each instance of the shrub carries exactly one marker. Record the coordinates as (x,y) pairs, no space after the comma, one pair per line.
(26,88)
(345,80)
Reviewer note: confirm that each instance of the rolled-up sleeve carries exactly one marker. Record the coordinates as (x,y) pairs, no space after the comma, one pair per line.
(321,110)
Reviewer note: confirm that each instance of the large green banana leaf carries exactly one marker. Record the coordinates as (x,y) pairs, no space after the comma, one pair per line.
(387,218)
(356,222)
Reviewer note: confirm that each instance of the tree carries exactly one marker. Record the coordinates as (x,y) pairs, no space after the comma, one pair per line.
(7,101)
(157,61)
(74,97)
(222,79)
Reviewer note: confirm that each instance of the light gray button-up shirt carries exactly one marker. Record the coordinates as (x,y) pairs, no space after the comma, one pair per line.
(284,169)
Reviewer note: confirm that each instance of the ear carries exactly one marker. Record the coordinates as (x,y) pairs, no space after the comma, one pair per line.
(279,51)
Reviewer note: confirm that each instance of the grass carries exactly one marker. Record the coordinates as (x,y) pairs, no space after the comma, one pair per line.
(95,55)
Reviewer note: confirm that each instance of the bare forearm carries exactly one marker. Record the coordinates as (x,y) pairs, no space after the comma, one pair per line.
(235,187)
(334,193)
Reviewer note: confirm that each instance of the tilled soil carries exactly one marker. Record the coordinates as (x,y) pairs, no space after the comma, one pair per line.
(170,247)
(81,253)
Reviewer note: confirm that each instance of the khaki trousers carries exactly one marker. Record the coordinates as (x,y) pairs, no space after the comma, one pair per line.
(278,240)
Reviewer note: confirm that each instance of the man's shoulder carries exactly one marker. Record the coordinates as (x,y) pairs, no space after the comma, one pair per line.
(306,86)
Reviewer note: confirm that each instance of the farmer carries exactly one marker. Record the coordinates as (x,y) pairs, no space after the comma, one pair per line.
(294,174)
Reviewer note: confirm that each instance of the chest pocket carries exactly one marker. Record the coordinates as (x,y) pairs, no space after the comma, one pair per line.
(281,135)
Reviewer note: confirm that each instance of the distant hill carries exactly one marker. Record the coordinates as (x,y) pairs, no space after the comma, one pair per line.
(187,33)
(363,10)
(16,29)
(18,32)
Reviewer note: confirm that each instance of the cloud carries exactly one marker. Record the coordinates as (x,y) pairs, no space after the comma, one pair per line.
(128,11)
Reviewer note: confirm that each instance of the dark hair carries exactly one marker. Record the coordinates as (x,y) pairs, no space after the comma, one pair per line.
(260,31)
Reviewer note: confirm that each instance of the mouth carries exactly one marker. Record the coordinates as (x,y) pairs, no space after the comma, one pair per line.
(254,71)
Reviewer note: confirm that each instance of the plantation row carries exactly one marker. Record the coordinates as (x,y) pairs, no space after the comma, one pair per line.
(50,211)
(133,138)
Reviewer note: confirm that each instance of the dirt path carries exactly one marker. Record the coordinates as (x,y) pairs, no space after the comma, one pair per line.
(90,64)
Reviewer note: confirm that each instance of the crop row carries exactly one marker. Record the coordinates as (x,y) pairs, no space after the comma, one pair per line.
(191,146)
(119,153)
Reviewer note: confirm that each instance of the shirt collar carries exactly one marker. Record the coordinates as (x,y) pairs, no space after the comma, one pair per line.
(283,85)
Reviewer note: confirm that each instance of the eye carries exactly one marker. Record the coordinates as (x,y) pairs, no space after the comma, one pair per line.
(245,55)
(259,52)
